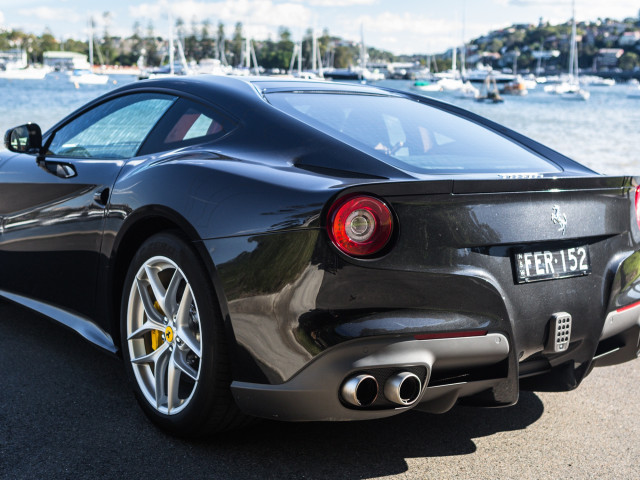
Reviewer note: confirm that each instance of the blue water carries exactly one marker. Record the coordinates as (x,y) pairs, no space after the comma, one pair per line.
(602,133)
(47,101)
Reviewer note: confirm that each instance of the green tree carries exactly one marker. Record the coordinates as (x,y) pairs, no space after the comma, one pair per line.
(108,49)
(495,45)
(152,58)
(344,56)
(629,61)
(236,45)
(207,44)
(192,47)
(37,46)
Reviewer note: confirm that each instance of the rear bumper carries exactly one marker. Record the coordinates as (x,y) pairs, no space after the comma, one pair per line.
(297,346)
(620,338)
(479,369)
(314,393)
(620,320)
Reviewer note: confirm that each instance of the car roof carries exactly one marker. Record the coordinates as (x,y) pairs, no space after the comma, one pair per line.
(247,85)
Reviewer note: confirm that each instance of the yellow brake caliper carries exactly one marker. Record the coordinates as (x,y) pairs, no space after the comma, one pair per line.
(156,335)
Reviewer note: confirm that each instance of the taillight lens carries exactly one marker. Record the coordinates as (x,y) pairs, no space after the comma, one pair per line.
(638,205)
(360,226)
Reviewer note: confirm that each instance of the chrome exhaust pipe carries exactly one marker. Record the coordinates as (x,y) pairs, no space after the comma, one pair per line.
(403,388)
(360,390)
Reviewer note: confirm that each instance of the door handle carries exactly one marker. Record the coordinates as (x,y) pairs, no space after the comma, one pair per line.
(65,170)
(59,169)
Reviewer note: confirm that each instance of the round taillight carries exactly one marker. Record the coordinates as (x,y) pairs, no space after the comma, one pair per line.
(360,226)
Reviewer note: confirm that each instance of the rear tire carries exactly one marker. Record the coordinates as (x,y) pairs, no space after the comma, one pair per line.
(173,340)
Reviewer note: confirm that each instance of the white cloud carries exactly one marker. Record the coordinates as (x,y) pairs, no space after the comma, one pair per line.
(1,18)
(407,32)
(253,13)
(557,11)
(51,14)
(340,3)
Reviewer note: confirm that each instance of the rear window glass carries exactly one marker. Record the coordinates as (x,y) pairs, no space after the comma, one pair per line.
(411,135)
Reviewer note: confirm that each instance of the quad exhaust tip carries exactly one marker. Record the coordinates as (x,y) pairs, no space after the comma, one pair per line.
(360,391)
(403,388)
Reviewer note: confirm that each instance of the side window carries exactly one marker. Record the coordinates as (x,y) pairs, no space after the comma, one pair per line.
(114,129)
(187,123)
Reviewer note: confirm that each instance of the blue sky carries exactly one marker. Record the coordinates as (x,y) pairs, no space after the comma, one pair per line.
(402,26)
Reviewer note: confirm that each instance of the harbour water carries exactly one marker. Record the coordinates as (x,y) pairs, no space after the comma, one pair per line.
(602,133)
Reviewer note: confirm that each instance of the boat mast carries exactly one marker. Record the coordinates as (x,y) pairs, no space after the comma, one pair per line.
(247,52)
(572,50)
(363,52)
(314,51)
(453,61)
(463,51)
(171,59)
(91,44)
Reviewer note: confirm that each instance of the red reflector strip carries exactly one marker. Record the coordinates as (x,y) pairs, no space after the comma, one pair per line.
(628,307)
(433,336)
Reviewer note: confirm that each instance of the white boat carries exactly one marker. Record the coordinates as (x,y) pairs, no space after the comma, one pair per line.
(87,77)
(530,81)
(212,66)
(427,85)
(480,74)
(515,87)
(450,80)
(596,81)
(27,73)
(14,66)
(468,91)
(559,87)
(449,83)
(570,88)
(173,68)
(426,81)
(577,94)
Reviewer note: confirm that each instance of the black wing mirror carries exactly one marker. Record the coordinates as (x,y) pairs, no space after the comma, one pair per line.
(28,139)
(24,139)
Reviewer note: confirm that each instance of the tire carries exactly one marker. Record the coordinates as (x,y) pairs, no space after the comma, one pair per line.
(173,340)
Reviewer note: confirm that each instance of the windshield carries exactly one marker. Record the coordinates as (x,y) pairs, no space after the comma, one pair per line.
(411,135)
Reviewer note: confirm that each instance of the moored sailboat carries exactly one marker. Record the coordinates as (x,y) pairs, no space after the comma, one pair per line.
(570,89)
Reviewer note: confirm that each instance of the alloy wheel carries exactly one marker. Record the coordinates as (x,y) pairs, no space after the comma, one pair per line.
(164,335)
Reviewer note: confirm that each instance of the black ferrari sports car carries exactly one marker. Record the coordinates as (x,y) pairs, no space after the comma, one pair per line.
(300,250)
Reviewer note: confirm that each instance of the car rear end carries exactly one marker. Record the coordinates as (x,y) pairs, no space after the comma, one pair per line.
(502,266)
(480,291)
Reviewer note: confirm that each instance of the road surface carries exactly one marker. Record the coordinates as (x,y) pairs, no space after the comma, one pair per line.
(66,411)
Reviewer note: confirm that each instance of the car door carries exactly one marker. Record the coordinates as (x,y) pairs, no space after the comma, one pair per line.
(52,211)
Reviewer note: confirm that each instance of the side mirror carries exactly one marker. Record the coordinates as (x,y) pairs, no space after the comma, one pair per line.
(24,139)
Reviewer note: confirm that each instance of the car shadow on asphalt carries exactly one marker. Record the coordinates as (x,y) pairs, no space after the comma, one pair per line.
(67,408)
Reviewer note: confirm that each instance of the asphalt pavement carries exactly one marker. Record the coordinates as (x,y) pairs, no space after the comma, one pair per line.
(66,412)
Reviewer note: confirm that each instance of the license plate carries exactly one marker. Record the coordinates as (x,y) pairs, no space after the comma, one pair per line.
(534,266)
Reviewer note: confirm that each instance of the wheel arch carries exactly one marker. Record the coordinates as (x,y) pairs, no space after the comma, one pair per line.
(138,227)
